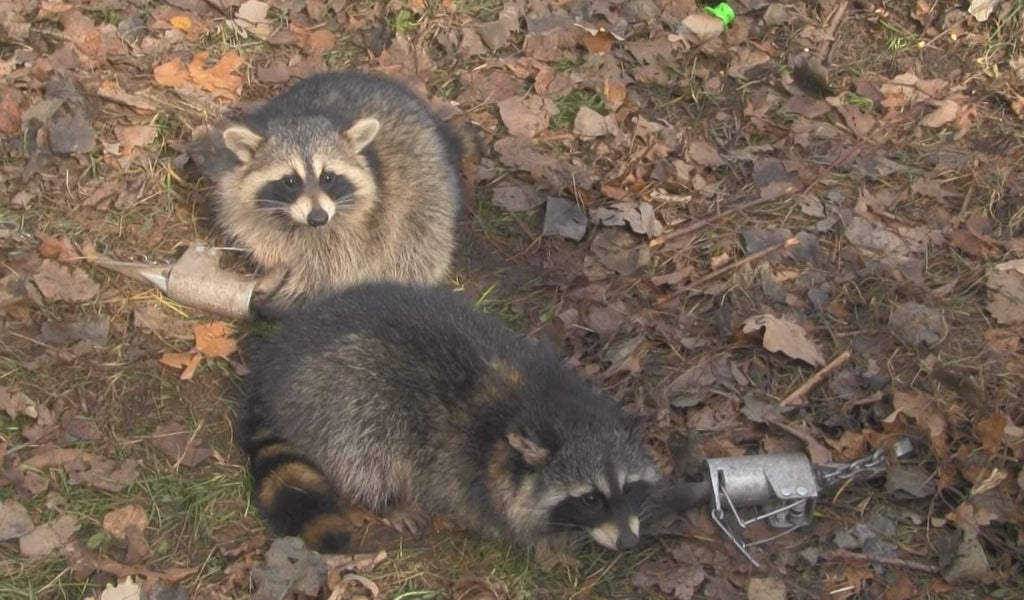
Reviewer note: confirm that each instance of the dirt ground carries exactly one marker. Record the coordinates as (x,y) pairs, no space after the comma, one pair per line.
(702,218)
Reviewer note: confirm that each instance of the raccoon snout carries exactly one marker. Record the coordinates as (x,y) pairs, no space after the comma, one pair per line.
(317,217)
(627,540)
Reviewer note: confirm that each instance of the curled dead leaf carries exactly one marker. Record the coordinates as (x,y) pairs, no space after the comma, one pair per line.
(782,335)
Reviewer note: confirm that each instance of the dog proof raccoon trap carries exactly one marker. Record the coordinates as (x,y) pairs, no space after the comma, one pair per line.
(195,279)
(781,489)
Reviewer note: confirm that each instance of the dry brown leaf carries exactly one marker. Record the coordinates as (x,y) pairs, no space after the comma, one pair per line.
(56,246)
(613,91)
(47,538)
(600,43)
(945,112)
(927,415)
(171,74)
(45,458)
(767,588)
(14,520)
(15,403)
(990,432)
(525,117)
(318,42)
(782,335)
(10,111)
(61,283)
(181,445)
(128,524)
(214,339)
(219,78)
(188,362)
(135,136)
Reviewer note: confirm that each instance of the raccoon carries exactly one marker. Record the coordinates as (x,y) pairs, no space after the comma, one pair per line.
(407,401)
(342,179)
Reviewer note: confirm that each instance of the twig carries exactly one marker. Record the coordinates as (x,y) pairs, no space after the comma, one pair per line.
(799,394)
(705,222)
(841,555)
(833,26)
(691,287)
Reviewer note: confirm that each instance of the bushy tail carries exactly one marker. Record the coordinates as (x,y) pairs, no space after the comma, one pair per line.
(294,494)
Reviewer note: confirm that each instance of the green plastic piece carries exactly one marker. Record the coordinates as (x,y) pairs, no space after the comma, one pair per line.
(723,11)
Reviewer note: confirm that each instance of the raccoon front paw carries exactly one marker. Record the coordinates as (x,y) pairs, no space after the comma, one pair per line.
(267,301)
(408,520)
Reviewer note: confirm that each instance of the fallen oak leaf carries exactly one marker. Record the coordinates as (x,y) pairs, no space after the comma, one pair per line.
(171,74)
(219,78)
(782,335)
(214,339)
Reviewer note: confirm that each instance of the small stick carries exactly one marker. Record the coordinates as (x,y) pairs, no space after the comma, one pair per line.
(892,561)
(787,243)
(833,26)
(702,223)
(799,394)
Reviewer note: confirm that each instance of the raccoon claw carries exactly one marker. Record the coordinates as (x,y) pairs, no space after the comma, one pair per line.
(408,521)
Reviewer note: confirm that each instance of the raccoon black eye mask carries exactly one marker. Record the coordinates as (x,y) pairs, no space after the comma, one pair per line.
(344,178)
(406,401)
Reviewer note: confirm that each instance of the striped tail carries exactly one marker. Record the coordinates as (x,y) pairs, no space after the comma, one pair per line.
(294,495)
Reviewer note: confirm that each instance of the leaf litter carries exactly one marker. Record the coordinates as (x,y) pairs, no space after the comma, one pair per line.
(900,183)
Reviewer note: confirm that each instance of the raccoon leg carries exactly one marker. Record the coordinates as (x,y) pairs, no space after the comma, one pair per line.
(295,496)
(267,301)
(406,519)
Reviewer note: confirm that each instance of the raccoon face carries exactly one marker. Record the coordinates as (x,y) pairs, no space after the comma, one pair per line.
(302,170)
(591,480)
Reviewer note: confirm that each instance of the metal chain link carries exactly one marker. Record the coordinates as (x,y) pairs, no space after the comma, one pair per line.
(833,472)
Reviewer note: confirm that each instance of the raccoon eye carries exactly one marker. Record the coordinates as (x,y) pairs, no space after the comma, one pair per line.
(590,499)
(327,178)
(290,181)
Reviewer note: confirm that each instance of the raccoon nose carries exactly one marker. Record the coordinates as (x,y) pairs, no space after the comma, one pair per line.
(317,217)
(627,540)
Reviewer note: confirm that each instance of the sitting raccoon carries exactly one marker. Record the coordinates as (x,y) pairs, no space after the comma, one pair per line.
(342,179)
(406,401)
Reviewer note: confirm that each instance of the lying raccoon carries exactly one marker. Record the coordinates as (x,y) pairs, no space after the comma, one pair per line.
(407,402)
(344,178)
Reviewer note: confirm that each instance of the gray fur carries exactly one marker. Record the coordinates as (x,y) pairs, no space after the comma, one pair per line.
(399,223)
(405,397)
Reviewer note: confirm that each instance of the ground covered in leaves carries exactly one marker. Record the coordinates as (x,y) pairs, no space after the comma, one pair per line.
(702,218)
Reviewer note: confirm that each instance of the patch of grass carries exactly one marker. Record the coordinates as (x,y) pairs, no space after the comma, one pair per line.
(570,104)
(481,10)
(899,39)
(344,54)
(405,21)
(48,578)
(863,103)
(186,512)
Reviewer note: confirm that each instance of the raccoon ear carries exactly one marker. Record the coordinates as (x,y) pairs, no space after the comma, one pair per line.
(242,142)
(362,133)
(525,442)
